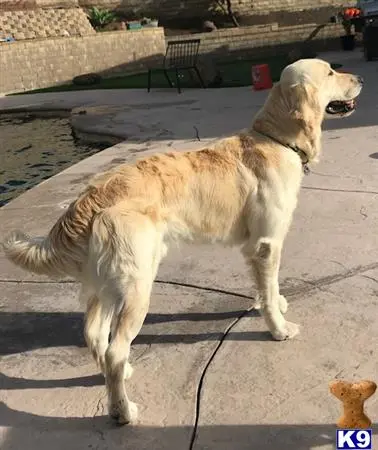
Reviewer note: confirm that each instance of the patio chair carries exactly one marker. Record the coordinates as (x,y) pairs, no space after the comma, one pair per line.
(180,55)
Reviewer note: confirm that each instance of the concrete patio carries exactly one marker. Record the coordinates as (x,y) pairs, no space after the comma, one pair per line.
(207,374)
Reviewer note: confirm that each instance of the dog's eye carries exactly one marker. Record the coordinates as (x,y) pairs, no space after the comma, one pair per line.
(330,73)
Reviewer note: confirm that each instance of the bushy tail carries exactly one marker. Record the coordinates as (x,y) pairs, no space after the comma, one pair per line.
(32,254)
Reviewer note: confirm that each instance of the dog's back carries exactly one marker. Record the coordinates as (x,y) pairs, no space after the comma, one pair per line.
(194,195)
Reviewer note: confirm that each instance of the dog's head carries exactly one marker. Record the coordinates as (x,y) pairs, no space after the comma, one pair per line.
(333,92)
(308,91)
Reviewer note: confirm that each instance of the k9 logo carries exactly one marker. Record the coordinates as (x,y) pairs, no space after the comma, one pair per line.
(347,439)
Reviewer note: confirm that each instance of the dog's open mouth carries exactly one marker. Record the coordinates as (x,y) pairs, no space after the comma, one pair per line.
(341,107)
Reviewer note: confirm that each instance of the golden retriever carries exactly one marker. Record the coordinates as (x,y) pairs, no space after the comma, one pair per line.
(242,191)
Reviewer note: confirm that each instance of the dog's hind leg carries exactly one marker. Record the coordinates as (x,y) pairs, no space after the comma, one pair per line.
(124,253)
(129,322)
(131,266)
(160,252)
(97,322)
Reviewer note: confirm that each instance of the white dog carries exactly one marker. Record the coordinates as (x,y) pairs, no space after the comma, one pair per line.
(242,191)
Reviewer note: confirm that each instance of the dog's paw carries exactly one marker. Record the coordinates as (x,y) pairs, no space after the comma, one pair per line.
(129,415)
(124,412)
(283,304)
(128,371)
(288,331)
(257,302)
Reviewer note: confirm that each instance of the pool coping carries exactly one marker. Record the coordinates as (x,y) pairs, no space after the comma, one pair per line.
(79,131)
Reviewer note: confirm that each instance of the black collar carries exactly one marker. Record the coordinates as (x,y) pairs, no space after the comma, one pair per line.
(303,156)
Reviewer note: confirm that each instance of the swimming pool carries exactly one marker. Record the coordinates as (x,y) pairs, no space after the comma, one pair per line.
(33,149)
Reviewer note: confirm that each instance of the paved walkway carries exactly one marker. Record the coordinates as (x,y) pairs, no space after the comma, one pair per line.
(200,358)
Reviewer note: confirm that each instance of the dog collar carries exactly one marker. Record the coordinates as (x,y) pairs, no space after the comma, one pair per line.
(303,156)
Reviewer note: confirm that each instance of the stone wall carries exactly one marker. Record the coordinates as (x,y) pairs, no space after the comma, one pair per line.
(42,23)
(184,8)
(265,40)
(20,5)
(40,63)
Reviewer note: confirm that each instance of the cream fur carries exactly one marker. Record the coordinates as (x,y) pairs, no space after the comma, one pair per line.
(242,191)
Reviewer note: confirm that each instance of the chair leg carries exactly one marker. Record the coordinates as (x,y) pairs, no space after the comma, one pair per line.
(168,79)
(191,76)
(199,77)
(178,81)
(149,81)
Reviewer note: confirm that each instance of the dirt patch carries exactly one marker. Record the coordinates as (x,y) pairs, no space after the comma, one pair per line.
(289,18)
(284,18)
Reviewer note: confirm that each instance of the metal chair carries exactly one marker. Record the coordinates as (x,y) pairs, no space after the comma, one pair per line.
(180,55)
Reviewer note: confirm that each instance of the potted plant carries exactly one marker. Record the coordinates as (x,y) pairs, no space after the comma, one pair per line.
(348,16)
(147,22)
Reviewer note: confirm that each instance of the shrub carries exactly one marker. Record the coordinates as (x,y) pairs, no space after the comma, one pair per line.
(99,18)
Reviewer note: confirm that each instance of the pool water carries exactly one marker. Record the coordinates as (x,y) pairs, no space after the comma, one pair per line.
(34,149)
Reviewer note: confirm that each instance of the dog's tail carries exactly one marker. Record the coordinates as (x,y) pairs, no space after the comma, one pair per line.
(61,252)
(35,255)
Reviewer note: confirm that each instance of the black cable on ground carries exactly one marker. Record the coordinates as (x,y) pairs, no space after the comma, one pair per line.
(202,378)
(203,288)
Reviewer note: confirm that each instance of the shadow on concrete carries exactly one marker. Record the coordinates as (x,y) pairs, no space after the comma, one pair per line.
(25,331)
(15,383)
(101,433)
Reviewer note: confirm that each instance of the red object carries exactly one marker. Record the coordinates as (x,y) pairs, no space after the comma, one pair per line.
(261,78)
(350,13)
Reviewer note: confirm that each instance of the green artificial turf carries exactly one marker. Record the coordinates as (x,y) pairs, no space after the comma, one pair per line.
(234,74)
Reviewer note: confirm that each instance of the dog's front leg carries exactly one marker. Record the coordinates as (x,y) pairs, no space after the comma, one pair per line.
(281,301)
(264,259)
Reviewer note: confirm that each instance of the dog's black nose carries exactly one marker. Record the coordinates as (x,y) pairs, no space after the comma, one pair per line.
(360,79)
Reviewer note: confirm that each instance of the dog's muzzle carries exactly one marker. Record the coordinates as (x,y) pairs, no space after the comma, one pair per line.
(341,107)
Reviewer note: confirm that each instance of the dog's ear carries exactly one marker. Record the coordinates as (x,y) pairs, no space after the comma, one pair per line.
(305,111)
(302,102)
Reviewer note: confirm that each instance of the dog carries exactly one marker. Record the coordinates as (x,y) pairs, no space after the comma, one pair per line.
(242,191)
